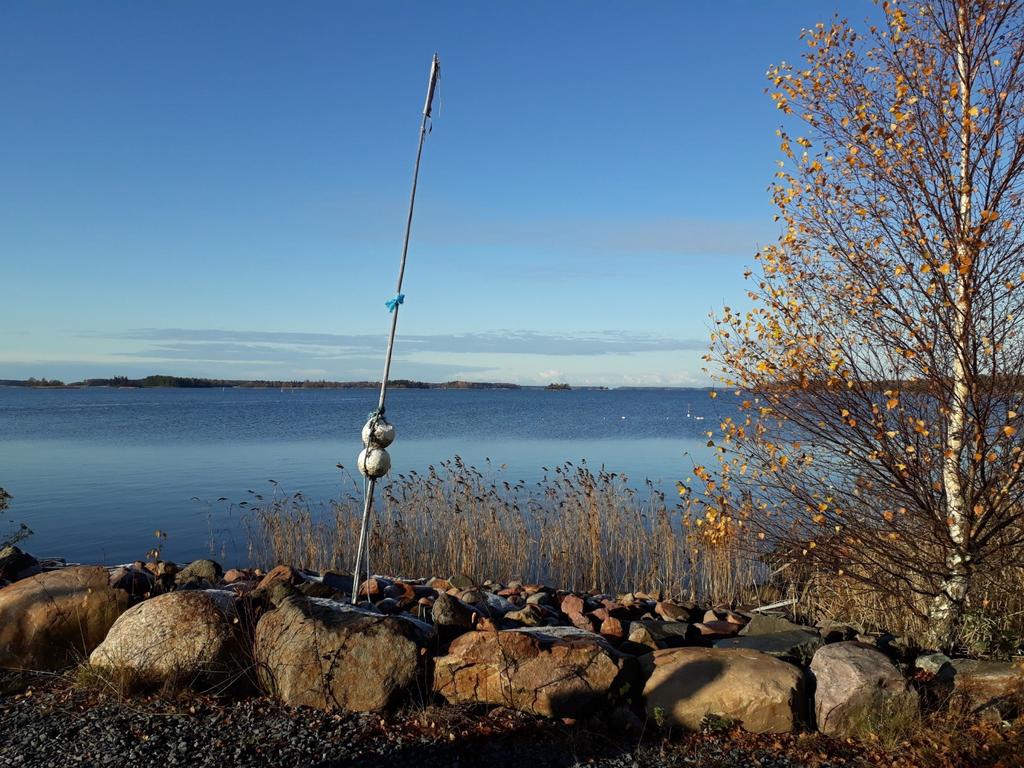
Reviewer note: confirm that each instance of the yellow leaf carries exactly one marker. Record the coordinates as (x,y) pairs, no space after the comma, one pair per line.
(1009,431)
(973,112)
(944,269)
(892,403)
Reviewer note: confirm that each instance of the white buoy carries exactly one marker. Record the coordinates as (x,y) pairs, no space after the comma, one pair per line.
(373,462)
(383,433)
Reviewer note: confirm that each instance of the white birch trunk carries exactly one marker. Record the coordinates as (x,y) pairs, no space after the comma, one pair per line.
(947,607)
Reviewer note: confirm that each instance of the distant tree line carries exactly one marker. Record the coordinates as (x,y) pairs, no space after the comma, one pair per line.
(33,382)
(188,382)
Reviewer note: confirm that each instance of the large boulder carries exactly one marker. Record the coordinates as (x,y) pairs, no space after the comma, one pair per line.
(550,671)
(330,655)
(992,689)
(854,683)
(53,619)
(182,636)
(762,693)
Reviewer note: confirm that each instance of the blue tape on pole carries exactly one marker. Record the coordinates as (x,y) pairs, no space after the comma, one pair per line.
(392,303)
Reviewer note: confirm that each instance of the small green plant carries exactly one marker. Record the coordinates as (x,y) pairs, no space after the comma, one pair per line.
(717,724)
(658,713)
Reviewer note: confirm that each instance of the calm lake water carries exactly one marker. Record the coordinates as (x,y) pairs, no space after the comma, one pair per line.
(95,471)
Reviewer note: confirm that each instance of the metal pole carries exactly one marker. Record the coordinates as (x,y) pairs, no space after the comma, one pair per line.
(435,71)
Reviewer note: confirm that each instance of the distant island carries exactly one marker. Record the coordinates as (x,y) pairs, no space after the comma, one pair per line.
(192,382)
(188,382)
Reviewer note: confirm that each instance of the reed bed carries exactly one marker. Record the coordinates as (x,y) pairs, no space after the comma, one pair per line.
(584,529)
(577,528)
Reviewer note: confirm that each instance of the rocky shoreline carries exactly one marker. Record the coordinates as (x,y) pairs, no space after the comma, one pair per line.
(497,658)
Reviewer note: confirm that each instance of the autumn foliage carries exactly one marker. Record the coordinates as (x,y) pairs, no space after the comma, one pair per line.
(877,367)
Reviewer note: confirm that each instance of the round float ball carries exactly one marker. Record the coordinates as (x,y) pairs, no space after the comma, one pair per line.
(373,462)
(383,433)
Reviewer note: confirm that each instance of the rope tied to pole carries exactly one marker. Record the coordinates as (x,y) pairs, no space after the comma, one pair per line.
(374,461)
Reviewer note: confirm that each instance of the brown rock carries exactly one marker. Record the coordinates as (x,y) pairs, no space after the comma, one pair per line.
(572,604)
(673,611)
(716,630)
(600,614)
(328,655)
(764,694)
(486,624)
(734,618)
(551,671)
(234,575)
(584,622)
(53,619)
(280,573)
(184,636)
(612,629)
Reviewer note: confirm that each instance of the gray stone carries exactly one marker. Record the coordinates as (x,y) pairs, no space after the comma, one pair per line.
(932,662)
(796,645)
(339,582)
(992,689)
(15,564)
(449,611)
(654,634)
(854,682)
(316,589)
(209,570)
(761,624)
(462,581)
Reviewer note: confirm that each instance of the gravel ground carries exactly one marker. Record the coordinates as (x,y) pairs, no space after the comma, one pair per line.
(56,724)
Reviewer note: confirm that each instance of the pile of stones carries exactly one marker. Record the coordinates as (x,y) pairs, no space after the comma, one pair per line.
(294,635)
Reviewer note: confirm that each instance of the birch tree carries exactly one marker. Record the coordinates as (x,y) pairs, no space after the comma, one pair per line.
(881,364)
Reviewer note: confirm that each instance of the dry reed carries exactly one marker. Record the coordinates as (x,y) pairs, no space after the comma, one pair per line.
(576,528)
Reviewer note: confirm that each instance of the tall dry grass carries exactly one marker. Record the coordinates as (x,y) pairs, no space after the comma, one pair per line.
(577,528)
(585,529)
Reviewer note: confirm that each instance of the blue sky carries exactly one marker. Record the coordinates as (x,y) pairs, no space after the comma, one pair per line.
(219,189)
